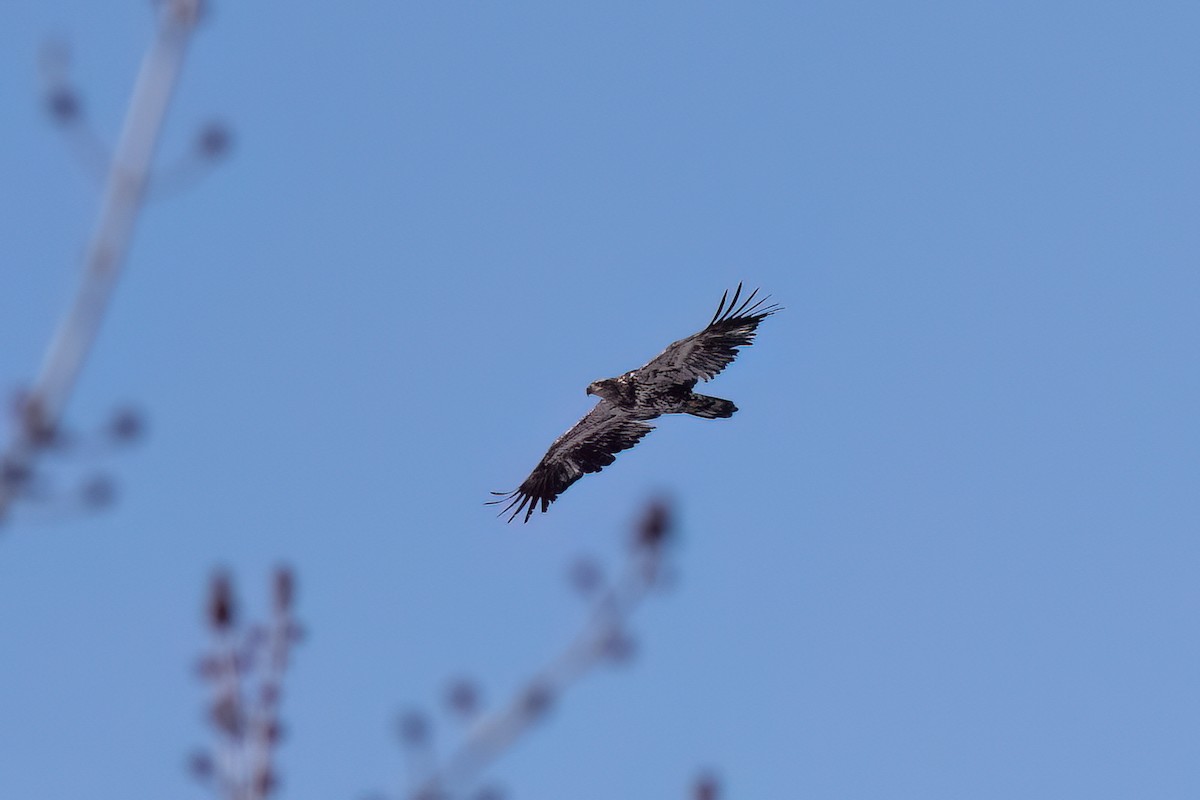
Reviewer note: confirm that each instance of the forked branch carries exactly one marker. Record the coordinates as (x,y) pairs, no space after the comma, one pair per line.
(39,415)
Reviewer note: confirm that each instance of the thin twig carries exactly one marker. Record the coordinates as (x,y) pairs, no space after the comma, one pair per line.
(602,638)
(245,668)
(43,406)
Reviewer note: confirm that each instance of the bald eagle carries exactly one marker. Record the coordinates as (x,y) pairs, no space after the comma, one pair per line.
(663,386)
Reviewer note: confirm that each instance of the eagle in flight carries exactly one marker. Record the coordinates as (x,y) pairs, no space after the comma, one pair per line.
(662,386)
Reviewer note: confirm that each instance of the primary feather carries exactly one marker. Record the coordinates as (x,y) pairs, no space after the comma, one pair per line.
(662,386)
(589,446)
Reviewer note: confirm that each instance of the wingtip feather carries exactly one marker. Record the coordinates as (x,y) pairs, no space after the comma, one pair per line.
(720,307)
(752,306)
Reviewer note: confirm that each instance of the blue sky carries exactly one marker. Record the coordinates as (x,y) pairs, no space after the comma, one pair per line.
(947,548)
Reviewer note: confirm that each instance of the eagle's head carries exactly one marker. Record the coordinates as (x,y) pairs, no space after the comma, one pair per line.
(606,388)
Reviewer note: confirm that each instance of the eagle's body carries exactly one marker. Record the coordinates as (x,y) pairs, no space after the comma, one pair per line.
(662,386)
(646,399)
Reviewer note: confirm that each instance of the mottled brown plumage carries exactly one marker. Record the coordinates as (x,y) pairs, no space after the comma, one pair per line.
(662,386)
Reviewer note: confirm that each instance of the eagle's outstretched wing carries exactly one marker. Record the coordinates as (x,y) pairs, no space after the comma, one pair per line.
(589,446)
(705,354)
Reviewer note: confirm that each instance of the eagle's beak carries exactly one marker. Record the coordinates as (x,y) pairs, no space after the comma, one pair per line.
(589,390)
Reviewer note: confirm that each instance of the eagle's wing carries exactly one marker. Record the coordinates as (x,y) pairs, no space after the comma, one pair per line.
(705,354)
(589,446)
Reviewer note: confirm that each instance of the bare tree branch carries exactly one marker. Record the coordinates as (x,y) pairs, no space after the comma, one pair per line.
(245,669)
(604,638)
(41,410)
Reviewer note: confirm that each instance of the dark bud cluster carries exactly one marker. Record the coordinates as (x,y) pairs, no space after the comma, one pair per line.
(618,646)
(245,670)
(38,428)
(413,729)
(221,602)
(214,141)
(226,716)
(273,732)
(284,589)
(265,782)
(656,526)
(39,431)
(536,700)
(14,474)
(462,698)
(126,425)
(98,491)
(63,105)
(200,764)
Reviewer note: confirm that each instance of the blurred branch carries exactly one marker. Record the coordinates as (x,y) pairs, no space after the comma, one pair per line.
(40,412)
(604,638)
(245,712)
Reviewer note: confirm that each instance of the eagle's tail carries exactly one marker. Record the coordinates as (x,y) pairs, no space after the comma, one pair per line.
(701,405)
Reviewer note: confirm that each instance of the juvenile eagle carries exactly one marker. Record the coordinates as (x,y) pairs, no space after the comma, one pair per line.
(662,386)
